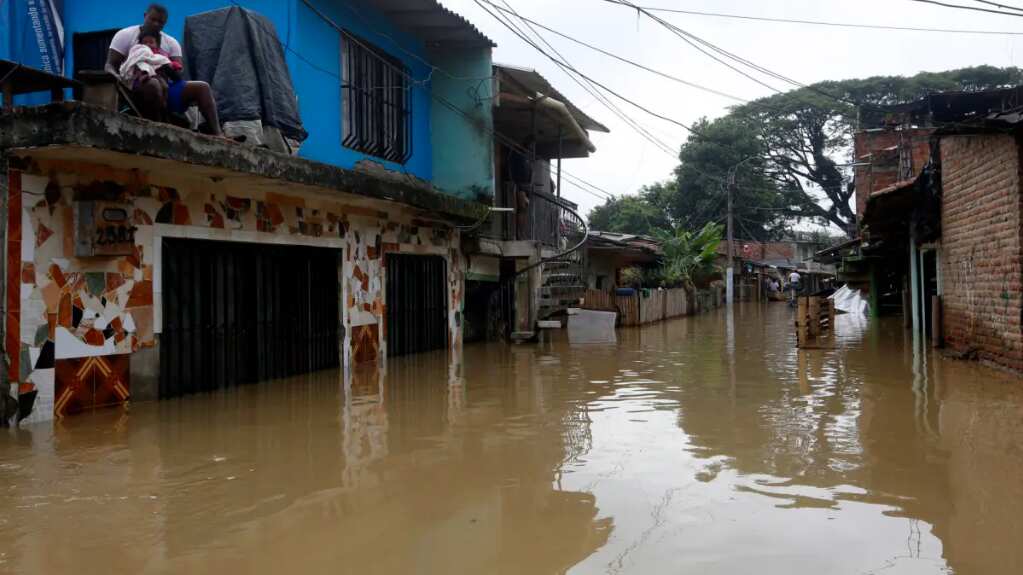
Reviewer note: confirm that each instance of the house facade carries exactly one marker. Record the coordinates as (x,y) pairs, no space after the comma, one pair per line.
(946,234)
(147,261)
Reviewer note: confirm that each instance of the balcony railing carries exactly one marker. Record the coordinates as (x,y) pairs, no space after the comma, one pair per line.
(544,221)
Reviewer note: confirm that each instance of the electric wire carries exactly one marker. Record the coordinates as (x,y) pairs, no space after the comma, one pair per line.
(692,40)
(590,88)
(828,23)
(621,58)
(972,8)
(443,101)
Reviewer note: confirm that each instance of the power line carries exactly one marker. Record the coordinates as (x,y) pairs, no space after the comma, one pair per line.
(420,84)
(614,93)
(973,8)
(827,23)
(997,5)
(591,88)
(593,91)
(689,38)
(622,59)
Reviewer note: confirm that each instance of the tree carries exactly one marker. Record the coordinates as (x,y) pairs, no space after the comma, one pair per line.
(791,155)
(689,258)
(707,161)
(807,133)
(630,215)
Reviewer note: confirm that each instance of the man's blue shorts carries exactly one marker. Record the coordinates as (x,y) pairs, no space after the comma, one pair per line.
(175,102)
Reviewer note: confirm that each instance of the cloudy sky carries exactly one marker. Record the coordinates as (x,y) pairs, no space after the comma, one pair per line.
(624,160)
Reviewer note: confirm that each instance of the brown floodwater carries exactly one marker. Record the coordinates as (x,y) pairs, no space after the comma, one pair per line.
(699,445)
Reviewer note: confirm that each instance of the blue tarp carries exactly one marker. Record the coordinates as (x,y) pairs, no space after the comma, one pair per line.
(34,33)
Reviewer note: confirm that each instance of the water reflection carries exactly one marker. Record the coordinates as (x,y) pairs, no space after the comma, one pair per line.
(708,444)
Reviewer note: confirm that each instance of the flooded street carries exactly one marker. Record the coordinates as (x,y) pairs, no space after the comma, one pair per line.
(698,445)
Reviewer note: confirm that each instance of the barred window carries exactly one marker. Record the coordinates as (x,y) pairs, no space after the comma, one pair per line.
(376,104)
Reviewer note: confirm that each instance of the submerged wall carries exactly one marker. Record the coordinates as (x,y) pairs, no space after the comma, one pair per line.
(981,248)
(71,317)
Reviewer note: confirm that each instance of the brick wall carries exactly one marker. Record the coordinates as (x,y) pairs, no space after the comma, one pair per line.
(881,149)
(981,247)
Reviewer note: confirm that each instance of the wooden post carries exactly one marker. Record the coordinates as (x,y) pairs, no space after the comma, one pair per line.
(8,92)
(801,327)
(814,315)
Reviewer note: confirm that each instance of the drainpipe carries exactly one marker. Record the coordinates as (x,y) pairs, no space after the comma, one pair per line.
(914,280)
(559,109)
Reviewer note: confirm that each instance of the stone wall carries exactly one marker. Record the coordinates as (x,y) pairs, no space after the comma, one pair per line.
(70,316)
(980,247)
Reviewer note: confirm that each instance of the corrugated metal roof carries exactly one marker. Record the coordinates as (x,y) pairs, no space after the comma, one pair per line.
(432,23)
(532,80)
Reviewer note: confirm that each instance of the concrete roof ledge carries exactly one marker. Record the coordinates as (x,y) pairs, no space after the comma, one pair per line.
(74,124)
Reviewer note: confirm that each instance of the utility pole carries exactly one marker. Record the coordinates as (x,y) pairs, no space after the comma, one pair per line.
(730,270)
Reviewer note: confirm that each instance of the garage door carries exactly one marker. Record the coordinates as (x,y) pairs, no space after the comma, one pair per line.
(417,304)
(240,313)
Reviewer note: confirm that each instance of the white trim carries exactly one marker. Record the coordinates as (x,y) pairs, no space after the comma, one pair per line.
(161,231)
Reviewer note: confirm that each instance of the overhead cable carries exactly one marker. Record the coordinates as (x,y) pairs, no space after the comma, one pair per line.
(973,8)
(592,88)
(827,23)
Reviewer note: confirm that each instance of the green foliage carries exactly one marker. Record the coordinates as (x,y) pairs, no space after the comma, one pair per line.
(807,133)
(632,277)
(630,215)
(707,162)
(689,258)
(800,143)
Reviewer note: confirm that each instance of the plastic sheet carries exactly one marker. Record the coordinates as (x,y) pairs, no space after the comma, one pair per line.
(850,301)
(238,53)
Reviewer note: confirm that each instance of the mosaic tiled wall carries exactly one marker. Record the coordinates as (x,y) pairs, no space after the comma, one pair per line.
(63,309)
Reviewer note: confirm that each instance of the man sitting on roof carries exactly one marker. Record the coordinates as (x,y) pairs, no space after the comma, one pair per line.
(154,95)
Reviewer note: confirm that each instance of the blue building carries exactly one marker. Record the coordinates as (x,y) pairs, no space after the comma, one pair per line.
(443,61)
(149,261)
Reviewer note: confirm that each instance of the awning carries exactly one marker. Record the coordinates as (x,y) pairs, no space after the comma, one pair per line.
(432,23)
(521,92)
(888,212)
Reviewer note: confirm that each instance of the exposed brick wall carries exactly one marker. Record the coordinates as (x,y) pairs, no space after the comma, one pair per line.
(881,148)
(981,247)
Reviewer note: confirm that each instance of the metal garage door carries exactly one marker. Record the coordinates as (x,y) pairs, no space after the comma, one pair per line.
(417,304)
(240,313)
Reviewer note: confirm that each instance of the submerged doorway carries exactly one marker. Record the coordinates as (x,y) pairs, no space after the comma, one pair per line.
(417,304)
(236,313)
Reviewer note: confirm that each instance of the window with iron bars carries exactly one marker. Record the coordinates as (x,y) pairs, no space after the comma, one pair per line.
(376,103)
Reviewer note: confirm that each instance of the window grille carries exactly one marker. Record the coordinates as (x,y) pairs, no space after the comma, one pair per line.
(376,104)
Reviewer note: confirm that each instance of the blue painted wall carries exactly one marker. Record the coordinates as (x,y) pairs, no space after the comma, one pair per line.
(5,30)
(464,164)
(316,76)
(463,150)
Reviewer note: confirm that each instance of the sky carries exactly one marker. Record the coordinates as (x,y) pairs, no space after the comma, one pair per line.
(625,161)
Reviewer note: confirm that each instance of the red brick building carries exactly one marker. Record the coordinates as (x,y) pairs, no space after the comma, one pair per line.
(940,206)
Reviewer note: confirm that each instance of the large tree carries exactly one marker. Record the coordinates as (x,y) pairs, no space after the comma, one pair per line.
(807,133)
(637,214)
(791,154)
(726,153)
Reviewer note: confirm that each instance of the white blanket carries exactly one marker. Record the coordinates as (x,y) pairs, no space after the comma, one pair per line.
(141,63)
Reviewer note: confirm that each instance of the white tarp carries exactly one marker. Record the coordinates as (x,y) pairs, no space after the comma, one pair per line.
(850,301)
(590,326)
